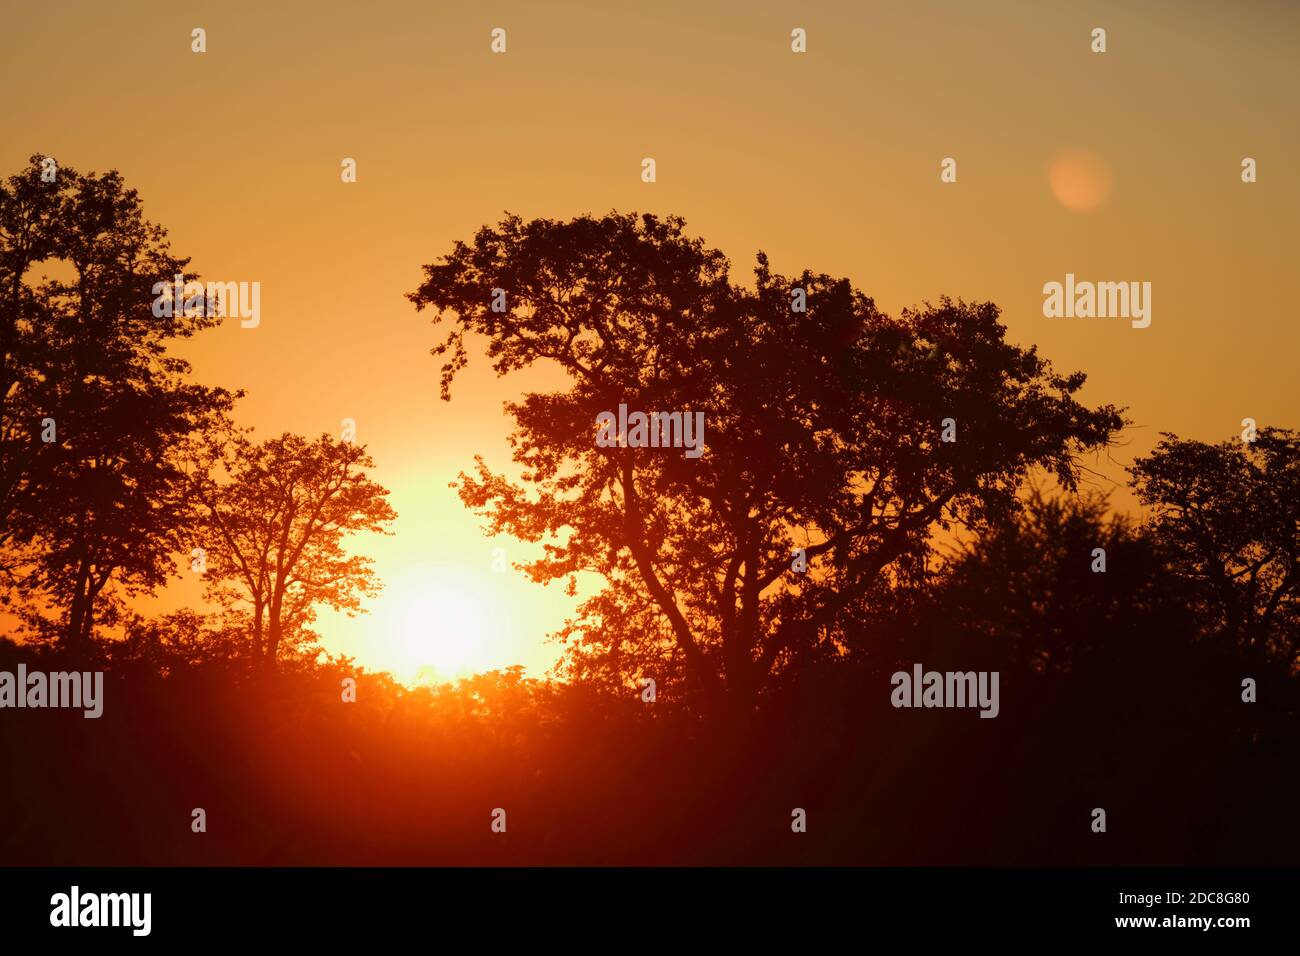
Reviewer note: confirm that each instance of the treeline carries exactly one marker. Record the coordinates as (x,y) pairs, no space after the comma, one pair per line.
(1113,695)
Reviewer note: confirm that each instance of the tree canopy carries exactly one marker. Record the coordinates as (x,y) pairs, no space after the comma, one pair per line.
(825,434)
(1230,515)
(92,405)
(273,535)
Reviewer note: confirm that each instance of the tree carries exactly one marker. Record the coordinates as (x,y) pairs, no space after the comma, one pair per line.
(1032,593)
(172,643)
(826,432)
(273,533)
(1230,516)
(94,408)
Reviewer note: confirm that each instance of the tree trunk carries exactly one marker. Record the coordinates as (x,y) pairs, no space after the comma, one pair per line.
(274,632)
(72,639)
(259,614)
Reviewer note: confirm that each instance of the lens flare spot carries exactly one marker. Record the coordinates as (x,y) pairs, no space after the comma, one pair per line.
(1080,180)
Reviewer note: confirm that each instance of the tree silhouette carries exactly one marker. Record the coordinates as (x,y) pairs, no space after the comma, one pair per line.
(1030,593)
(30,213)
(825,432)
(171,643)
(1095,666)
(274,533)
(94,409)
(1230,515)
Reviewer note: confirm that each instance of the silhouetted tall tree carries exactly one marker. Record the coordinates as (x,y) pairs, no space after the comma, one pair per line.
(274,532)
(1230,514)
(825,432)
(92,406)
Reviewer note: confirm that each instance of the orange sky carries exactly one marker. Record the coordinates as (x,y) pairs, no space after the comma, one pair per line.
(827,160)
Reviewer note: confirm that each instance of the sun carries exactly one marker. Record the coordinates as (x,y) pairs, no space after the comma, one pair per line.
(441,630)
(435,630)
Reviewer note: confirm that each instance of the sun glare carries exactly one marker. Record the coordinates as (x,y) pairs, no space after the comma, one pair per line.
(435,630)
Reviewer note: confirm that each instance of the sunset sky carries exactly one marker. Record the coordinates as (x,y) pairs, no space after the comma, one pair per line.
(1115,167)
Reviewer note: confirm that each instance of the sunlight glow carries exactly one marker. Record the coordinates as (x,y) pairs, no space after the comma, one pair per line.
(434,630)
